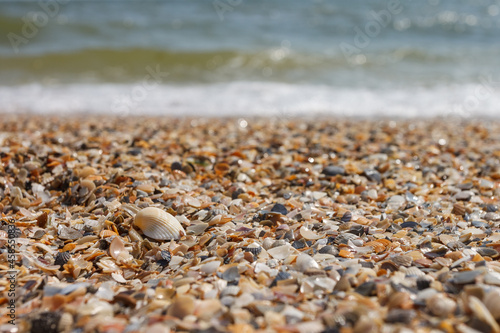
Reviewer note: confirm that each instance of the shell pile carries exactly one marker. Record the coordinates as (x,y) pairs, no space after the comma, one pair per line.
(250,225)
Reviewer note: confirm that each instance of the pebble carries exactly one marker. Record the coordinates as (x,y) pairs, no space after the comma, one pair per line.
(333,170)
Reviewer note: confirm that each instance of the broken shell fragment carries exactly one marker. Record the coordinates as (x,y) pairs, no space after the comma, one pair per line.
(158,224)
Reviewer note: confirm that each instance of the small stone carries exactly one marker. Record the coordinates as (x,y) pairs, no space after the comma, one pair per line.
(400,316)
(279,208)
(333,170)
(465,277)
(373,175)
(231,275)
(464,195)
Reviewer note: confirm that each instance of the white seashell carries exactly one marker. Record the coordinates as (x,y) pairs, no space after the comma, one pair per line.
(308,233)
(96,307)
(491,301)
(210,267)
(441,305)
(483,313)
(117,250)
(281,252)
(304,261)
(158,224)
(118,277)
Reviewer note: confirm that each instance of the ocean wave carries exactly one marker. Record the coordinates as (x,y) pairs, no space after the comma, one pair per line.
(274,64)
(252,99)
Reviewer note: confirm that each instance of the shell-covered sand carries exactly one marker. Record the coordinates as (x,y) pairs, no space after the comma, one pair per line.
(280,225)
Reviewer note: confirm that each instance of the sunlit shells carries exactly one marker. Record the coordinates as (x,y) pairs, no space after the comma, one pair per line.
(304,262)
(304,226)
(117,249)
(281,252)
(482,312)
(440,305)
(308,233)
(158,224)
(492,302)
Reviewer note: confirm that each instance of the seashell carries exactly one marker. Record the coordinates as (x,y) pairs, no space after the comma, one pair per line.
(164,257)
(281,252)
(67,233)
(304,262)
(118,277)
(96,307)
(491,302)
(308,233)
(116,248)
(65,323)
(158,224)
(88,184)
(483,313)
(62,258)
(210,267)
(492,278)
(181,307)
(440,305)
(107,233)
(253,250)
(231,274)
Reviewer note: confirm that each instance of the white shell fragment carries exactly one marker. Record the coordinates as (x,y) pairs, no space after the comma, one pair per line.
(158,224)
(304,261)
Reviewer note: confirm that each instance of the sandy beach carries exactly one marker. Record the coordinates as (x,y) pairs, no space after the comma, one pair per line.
(264,225)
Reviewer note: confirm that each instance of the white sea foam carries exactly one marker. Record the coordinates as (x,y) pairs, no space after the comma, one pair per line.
(252,99)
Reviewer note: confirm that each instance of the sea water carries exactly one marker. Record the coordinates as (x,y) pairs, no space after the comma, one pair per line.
(251,57)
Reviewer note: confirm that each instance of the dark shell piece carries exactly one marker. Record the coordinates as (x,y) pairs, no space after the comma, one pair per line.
(333,170)
(367,264)
(39,234)
(282,275)
(480,224)
(237,193)
(357,230)
(389,266)
(346,217)
(345,237)
(165,258)
(253,250)
(436,253)
(465,277)
(373,175)
(279,208)
(400,316)
(231,275)
(45,322)
(366,289)
(423,283)
(328,249)
(456,245)
(41,220)
(299,244)
(289,235)
(176,166)
(409,224)
(62,258)
(491,208)
(487,252)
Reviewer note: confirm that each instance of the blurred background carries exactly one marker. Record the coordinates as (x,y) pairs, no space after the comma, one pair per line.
(260,57)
